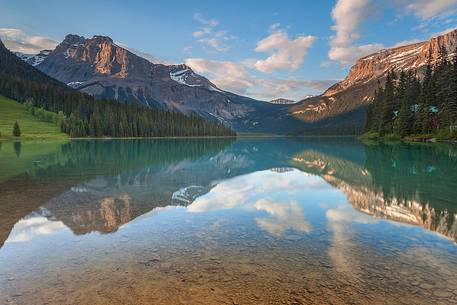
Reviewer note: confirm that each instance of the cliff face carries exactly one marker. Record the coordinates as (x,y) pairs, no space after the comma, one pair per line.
(357,89)
(412,212)
(365,195)
(405,58)
(77,60)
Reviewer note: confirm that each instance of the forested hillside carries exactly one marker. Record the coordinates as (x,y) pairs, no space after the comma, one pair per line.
(85,116)
(408,105)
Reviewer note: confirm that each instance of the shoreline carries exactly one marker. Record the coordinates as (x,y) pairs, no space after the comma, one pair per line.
(411,140)
(241,136)
(417,138)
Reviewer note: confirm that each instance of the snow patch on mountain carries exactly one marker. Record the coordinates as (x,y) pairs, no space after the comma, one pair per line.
(23,56)
(33,59)
(181,77)
(75,84)
(186,76)
(187,195)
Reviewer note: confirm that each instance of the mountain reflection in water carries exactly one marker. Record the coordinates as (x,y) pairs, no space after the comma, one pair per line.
(113,182)
(320,201)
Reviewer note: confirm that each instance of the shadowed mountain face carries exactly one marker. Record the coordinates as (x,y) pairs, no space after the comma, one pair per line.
(99,67)
(101,185)
(365,76)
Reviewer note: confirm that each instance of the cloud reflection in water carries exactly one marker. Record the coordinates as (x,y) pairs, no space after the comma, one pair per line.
(274,193)
(29,228)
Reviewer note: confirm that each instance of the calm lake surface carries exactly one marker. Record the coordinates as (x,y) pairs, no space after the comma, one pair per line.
(224,221)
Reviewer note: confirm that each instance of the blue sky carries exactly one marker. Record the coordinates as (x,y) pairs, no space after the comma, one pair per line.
(263,49)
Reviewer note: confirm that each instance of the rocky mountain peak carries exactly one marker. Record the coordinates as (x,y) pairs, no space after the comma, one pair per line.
(96,55)
(102,39)
(71,39)
(184,75)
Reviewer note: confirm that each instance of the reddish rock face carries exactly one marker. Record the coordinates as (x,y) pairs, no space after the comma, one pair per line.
(78,60)
(404,58)
(101,68)
(358,87)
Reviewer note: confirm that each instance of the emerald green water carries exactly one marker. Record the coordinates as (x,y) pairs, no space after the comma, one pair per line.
(223,221)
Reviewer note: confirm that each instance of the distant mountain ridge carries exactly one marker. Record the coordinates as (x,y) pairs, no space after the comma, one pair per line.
(357,89)
(282,101)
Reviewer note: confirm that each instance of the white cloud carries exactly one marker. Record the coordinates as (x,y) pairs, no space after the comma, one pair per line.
(294,89)
(200,33)
(406,42)
(208,36)
(29,228)
(268,192)
(285,53)
(283,216)
(275,26)
(350,14)
(427,9)
(349,54)
(227,75)
(235,77)
(244,191)
(209,22)
(17,40)
(215,43)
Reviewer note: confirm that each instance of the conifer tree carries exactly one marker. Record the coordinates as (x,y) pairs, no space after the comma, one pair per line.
(388,105)
(16,130)
(424,123)
(452,99)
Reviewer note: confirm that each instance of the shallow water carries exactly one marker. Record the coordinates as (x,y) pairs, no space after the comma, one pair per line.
(251,221)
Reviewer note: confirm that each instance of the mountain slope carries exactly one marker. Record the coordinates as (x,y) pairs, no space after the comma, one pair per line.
(105,70)
(31,127)
(84,116)
(33,59)
(357,89)
(11,67)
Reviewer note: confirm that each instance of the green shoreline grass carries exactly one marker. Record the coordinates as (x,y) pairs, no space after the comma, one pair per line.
(31,128)
(416,138)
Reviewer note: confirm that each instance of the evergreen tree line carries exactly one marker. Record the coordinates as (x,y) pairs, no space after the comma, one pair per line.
(84,116)
(411,105)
